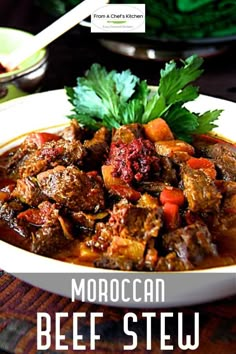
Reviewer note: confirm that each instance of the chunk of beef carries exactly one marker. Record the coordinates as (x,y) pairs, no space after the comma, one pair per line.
(152,187)
(171,262)
(16,159)
(227,217)
(46,214)
(126,235)
(51,233)
(97,149)
(191,243)
(151,257)
(73,132)
(115,264)
(168,172)
(83,220)
(118,252)
(200,191)
(124,247)
(224,156)
(102,237)
(32,143)
(229,204)
(126,254)
(87,220)
(10,209)
(52,153)
(48,240)
(73,188)
(127,133)
(226,187)
(28,191)
(135,221)
(170,147)
(8,213)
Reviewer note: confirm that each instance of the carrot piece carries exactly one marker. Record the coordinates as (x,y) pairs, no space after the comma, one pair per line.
(157,129)
(125,192)
(172,195)
(170,147)
(109,179)
(202,163)
(41,138)
(4,196)
(171,215)
(117,186)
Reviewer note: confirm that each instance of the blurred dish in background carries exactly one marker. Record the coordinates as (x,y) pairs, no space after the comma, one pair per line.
(179,28)
(164,50)
(174,28)
(189,19)
(27,78)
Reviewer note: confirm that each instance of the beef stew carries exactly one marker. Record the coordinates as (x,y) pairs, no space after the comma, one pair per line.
(121,200)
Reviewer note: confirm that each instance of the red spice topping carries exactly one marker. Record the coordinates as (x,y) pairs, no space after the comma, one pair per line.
(134,160)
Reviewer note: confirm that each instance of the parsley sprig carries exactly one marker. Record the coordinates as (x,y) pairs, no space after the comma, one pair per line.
(112,99)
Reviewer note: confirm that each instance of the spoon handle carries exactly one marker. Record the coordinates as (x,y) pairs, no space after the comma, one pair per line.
(53,31)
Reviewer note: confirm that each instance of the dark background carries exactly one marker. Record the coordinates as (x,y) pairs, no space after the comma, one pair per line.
(74,52)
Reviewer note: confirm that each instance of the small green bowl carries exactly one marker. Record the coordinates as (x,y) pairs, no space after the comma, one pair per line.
(27,78)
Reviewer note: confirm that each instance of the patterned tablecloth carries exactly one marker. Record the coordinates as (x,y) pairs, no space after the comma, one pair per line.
(20,302)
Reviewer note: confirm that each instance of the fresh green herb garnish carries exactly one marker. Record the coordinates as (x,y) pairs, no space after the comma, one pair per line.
(113,99)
